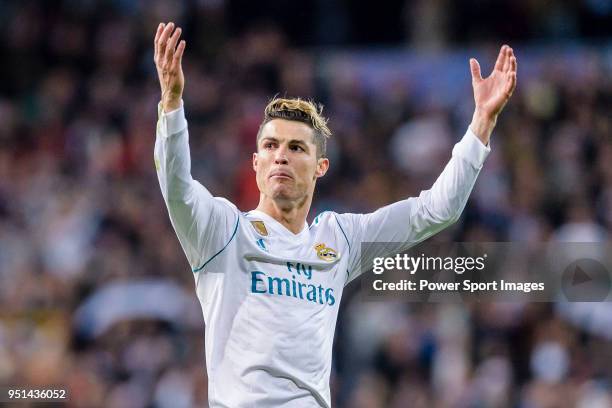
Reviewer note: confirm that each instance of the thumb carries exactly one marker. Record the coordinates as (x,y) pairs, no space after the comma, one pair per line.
(475,69)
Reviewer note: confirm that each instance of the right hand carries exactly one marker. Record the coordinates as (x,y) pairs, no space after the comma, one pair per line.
(168,58)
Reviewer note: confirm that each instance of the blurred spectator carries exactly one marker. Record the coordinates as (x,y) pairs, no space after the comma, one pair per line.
(82,219)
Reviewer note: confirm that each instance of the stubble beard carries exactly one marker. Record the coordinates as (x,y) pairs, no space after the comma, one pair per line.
(287,199)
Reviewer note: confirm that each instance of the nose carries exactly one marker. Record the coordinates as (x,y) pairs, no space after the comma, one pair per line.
(281,156)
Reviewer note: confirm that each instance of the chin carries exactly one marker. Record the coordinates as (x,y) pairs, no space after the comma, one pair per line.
(283,193)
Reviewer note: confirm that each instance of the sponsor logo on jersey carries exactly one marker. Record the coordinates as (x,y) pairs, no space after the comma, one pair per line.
(260,227)
(326,253)
(297,284)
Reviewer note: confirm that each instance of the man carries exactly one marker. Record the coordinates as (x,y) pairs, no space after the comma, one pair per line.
(269,284)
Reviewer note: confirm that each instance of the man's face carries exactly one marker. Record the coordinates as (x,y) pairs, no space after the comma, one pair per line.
(286,161)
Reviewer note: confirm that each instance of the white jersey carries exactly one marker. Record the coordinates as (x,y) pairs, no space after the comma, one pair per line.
(270,297)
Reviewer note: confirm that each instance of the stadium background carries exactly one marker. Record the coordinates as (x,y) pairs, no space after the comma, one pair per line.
(95,293)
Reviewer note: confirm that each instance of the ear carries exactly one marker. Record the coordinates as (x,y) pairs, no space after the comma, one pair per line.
(255,162)
(322,167)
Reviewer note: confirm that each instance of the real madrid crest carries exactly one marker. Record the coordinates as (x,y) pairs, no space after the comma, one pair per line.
(326,253)
(260,227)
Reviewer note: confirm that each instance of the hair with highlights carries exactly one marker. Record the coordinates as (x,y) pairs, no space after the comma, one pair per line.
(300,110)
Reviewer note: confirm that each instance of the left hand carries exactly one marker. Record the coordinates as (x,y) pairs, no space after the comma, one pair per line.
(492,93)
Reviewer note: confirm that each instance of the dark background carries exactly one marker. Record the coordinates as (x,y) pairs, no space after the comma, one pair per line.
(87,250)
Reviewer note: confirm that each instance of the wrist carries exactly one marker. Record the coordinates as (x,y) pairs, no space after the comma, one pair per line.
(170,103)
(482,125)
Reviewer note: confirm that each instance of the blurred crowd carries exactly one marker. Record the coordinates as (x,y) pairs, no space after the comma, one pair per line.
(97,297)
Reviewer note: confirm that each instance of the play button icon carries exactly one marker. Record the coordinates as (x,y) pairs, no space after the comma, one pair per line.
(586,280)
(580,276)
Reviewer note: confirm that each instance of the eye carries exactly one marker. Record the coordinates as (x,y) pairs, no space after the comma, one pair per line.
(297,148)
(268,145)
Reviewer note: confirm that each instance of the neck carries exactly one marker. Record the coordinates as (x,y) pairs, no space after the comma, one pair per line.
(291,214)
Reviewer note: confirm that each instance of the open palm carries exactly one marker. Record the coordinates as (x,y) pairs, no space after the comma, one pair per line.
(492,92)
(168,56)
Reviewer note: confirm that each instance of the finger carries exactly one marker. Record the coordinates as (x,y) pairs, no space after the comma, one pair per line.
(475,69)
(178,56)
(500,58)
(510,84)
(160,29)
(509,55)
(163,39)
(513,64)
(171,45)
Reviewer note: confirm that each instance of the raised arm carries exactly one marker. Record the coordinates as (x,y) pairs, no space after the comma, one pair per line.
(415,219)
(203,224)
(172,159)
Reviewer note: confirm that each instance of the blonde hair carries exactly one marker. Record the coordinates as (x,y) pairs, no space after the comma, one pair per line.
(300,110)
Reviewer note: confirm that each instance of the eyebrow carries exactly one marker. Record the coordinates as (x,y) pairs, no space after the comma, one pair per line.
(273,139)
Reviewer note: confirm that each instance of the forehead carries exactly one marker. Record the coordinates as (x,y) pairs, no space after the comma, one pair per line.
(285,130)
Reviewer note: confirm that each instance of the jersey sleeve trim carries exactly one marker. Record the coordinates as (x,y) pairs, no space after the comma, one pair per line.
(347,242)
(222,249)
(343,233)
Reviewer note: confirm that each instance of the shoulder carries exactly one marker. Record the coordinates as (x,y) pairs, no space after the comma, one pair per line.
(326,218)
(223,206)
(224,201)
(344,222)
(321,217)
